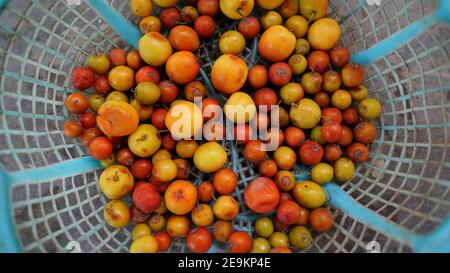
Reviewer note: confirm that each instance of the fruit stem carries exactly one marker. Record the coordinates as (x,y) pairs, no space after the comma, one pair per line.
(116,177)
(312,15)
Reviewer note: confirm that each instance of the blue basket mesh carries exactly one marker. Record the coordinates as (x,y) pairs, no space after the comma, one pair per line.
(400,198)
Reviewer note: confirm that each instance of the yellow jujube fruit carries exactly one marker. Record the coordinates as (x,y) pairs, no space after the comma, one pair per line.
(184,119)
(145,141)
(116,181)
(210,157)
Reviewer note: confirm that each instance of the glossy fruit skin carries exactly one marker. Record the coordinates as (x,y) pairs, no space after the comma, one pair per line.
(365,132)
(289,8)
(269,4)
(118,57)
(303,220)
(226,208)
(225,181)
(340,56)
(229,73)
(134,60)
(298,25)
(180,197)
(207,151)
(265,97)
(312,82)
(145,141)
(158,118)
(322,99)
(268,168)
(232,42)
(319,61)
(194,90)
(309,194)
(311,153)
(183,167)
(146,198)
(178,226)
(186,148)
(276,44)
(331,131)
(157,222)
(116,214)
(359,93)
(300,237)
(164,170)
(254,151)
(236,9)
(141,168)
(169,92)
(72,129)
(302,47)
(324,34)
(82,78)
(222,230)
(205,191)
(279,239)
(346,136)
(298,64)
(331,114)
(239,242)
(145,244)
(208,7)
(294,136)
(332,152)
(288,212)
(199,240)
(89,135)
(264,227)
(149,23)
(164,240)
(353,75)
(271,18)
(280,74)
(358,152)
(141,8)
(76,103)
(351,116)
(144,111)
(249,27)
(182,67)
(100,148)
(262,195)
(205,26)
(188,14)
(113,96)
(170,17)
(184,38)
(322,173)
(202,215)
(154,48)
(285,157)
(341,99)
(240,108)
(313,9)
(210,107)
(147,74)
(260,245)
(147,93)
(180,112)
(321,220)
(101,85)
(116,182)
(344,169)
(316,135)
(165,3)
(285,180)
(258,76)
(332,81)
(99,63)
(140,230)
(121,78)
(369,108)
(125,157)
(306,114)
(280,250)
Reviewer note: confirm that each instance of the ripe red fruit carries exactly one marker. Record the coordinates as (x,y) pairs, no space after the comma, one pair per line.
(239,242)
(332,152)
(205,191)
(294,136)
(88,120)
(262,195)
(82,78)
(118,56)
(242,133)
(340,57)
(331,132)
(205,26)
(72,129)
(169,92)
(365,132)
(147,74)
(199,240)
(358,152)
(321,220)
(249,27)
(101,85)
(353,75)
(346,136)
(168,142)
(254,151)
(288,212)
(319,61)
(146,197)
(158,118)
(280,74)
(141,168)
(125,156)
(170,17)
(311,153)
(101,148)
(208,7)
(351,116)
(265,97)
(331,114)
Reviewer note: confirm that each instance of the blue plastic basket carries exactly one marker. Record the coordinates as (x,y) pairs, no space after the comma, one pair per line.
(399,200)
